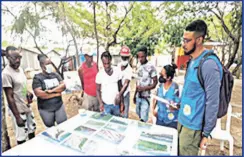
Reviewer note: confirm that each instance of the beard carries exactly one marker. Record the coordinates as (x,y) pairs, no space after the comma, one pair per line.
(191,51)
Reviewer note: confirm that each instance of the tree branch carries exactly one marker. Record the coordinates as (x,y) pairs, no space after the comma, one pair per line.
(224,26)
(119,27)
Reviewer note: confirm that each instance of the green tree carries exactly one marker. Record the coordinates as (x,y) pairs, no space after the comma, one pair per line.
(142,28)
(29,21)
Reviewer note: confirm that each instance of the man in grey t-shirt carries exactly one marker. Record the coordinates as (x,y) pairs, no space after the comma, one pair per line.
(14,85)
(146,81)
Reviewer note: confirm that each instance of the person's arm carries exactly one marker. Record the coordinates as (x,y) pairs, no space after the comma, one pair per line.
(154,104)
(45,95)
(124,87)
(80,73)
(212,83)
(121,97)
(99,97)
(59,89)
(176,99)
(11,103)
(150,87)
(134,98)
(39,92)
(121,93)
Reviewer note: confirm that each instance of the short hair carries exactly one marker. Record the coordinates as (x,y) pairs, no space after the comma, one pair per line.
(198,26)
(41,58)
(106,54)
(170,70)
(10,48)
(143,49)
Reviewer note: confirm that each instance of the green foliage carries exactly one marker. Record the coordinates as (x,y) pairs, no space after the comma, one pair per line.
(5,43)
(142,28)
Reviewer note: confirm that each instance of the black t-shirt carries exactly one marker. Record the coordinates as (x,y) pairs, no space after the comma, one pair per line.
(46,82)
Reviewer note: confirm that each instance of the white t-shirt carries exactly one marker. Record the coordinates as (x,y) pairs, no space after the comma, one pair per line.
(126,75)
(109,84)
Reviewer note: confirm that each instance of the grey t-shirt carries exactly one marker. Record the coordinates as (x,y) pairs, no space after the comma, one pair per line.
(145,74)
(16,80)
(46,82)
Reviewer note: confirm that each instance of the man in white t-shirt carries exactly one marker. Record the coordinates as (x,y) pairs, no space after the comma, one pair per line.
(126,72)
(108,83)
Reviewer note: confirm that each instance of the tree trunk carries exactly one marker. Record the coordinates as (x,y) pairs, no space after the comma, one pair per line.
(234,72)
(95,29)
(223,55)
(5,137)
(77,53)
(233,55)
(238,73)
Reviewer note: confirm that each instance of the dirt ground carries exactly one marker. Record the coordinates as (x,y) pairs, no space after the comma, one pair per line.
(214,145)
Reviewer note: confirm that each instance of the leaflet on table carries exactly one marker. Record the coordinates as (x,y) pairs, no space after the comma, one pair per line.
(147,144)
(54,134)
(81,144)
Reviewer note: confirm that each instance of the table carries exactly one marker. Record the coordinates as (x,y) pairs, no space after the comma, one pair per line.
(93,133)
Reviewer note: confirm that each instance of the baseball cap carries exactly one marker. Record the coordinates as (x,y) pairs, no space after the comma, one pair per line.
(89,53)
(125,51)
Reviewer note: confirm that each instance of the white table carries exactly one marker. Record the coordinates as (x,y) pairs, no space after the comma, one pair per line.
(130,138)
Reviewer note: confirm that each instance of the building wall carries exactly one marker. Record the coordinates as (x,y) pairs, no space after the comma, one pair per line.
(29,60)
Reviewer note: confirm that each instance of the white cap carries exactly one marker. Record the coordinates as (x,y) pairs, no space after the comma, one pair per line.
(87,51)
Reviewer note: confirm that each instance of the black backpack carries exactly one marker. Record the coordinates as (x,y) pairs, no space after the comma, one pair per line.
(226,87)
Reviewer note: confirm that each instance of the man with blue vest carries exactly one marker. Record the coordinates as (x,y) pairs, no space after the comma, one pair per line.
(199,107)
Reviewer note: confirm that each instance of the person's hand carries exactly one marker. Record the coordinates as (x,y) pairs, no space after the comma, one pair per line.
(203,144)
(140,89)
(29,97)
(82,94)
(101,107)
(20,122)
(134,99)
(117,100)
(58,94)
(172,109)
(171,106)
(155,113)
(122,108)
(49,91)
(150,120)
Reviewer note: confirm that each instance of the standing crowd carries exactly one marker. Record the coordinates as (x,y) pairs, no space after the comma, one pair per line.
(108,90)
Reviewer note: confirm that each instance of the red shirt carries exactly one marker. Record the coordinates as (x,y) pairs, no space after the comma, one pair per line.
(89,78)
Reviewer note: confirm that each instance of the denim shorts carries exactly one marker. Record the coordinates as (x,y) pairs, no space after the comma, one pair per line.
(112,109)
(142,108)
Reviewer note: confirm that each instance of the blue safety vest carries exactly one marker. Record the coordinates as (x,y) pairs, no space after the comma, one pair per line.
(193,96)
(164,114)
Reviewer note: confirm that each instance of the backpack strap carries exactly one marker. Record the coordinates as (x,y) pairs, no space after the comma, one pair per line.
(199,70)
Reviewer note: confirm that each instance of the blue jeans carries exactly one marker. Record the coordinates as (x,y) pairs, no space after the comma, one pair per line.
(171,125)
(127,105)
(112,109)
(142,108)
